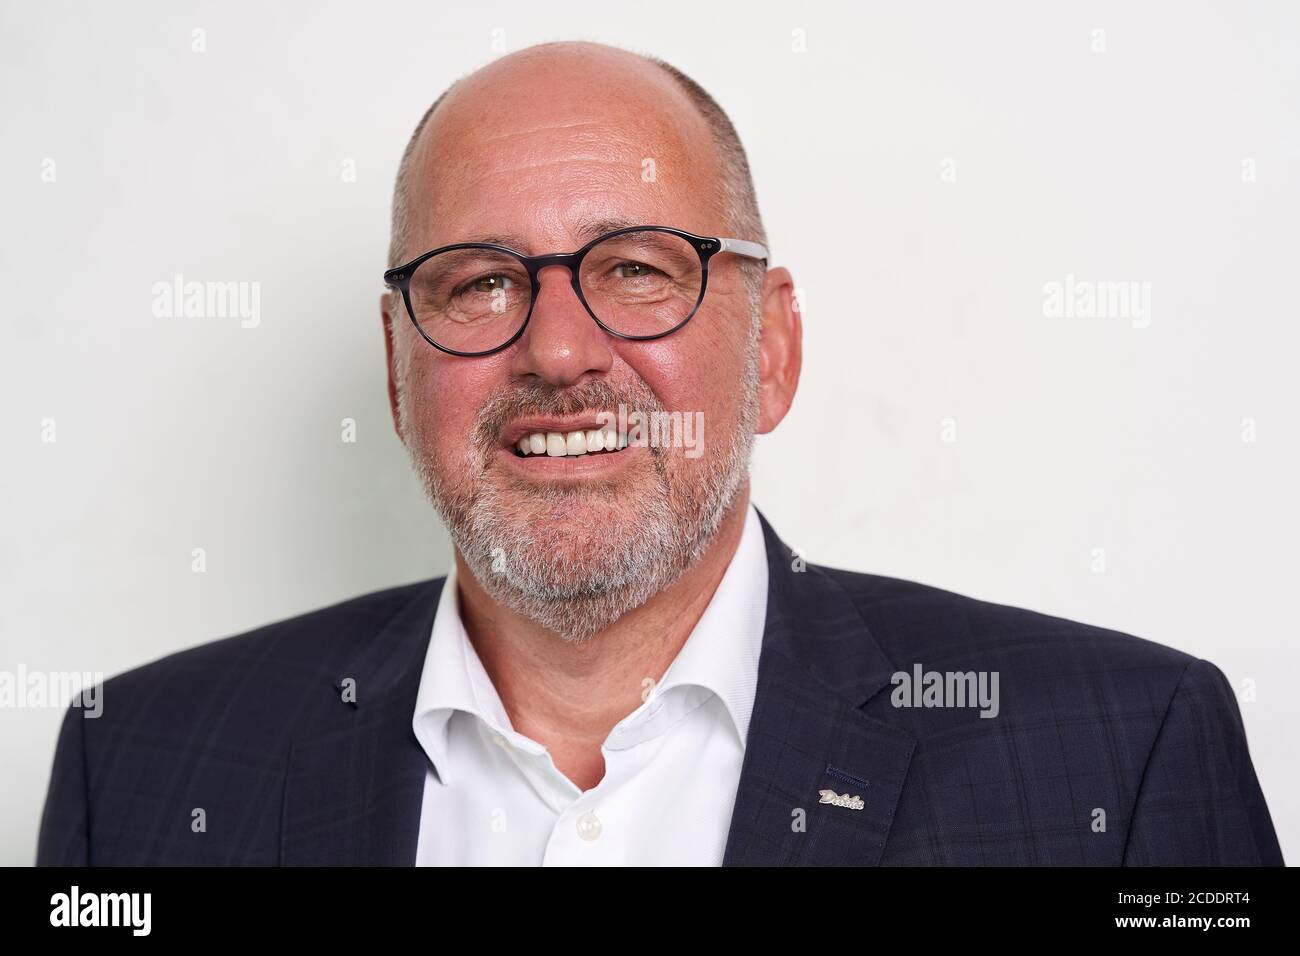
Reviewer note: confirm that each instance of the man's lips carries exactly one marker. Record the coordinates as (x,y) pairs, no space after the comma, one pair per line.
(566,467)
(591,434)
(531,426)
(565,446)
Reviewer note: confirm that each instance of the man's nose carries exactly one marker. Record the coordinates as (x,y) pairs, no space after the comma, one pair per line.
(561,343)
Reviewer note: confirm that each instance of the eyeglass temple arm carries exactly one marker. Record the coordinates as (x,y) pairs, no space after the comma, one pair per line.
(743,247)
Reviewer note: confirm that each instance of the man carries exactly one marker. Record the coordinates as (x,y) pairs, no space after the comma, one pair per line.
(626,665)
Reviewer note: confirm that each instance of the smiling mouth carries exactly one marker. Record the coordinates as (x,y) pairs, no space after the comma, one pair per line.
(574,444)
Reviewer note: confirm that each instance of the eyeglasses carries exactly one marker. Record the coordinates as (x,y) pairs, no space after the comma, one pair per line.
(638,283)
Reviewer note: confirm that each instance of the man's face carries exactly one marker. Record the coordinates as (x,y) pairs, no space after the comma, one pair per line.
(542,158)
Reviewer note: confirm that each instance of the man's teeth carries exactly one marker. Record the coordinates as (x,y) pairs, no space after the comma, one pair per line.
(562,444)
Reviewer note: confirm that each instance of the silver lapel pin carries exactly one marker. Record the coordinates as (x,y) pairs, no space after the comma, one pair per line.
(841,800)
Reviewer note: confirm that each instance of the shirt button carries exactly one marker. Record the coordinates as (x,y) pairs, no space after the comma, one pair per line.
(589,826)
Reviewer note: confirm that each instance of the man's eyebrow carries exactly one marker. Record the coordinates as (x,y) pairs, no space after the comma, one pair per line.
(584,231)
(588,229)
(498,239)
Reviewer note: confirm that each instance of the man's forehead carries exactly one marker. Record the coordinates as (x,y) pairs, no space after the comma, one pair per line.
(467,139)
(605,142)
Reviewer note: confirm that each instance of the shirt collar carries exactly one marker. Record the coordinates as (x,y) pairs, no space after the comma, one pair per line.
(720,655)
(453,679)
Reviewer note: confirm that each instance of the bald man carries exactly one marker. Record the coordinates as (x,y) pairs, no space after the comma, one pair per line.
(625,664)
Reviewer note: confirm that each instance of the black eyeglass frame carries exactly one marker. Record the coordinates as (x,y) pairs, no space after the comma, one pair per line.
(706,246)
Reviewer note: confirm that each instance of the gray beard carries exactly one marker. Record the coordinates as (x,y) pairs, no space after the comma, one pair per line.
(672,522)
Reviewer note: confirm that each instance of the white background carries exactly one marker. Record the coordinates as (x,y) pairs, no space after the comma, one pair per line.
(924,301)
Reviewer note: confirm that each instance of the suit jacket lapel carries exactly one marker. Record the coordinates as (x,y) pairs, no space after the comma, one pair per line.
(807,734)
(355,782)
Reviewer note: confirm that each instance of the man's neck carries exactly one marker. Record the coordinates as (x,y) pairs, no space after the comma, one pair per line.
(569,696)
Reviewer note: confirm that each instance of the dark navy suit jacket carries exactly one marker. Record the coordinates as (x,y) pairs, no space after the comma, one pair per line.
(1106,750)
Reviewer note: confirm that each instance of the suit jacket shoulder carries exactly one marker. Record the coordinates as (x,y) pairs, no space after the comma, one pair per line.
(1095,746)
(276,661)
(919,622)
(187,762)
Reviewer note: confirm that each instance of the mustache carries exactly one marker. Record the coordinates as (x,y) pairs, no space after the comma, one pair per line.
(541,398)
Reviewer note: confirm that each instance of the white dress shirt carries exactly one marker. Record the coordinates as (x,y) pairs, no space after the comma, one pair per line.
(494,797)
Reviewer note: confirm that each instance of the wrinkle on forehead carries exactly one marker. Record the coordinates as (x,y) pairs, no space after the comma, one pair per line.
(469,172)
(545,127)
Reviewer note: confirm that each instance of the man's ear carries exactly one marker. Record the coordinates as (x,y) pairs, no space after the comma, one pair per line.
(390,348)
(781,349)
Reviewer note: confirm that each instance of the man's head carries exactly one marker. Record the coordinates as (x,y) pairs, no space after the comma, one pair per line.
(541,151)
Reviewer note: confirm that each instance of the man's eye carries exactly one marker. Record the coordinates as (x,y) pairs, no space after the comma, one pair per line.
(633,270)
(489,284)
